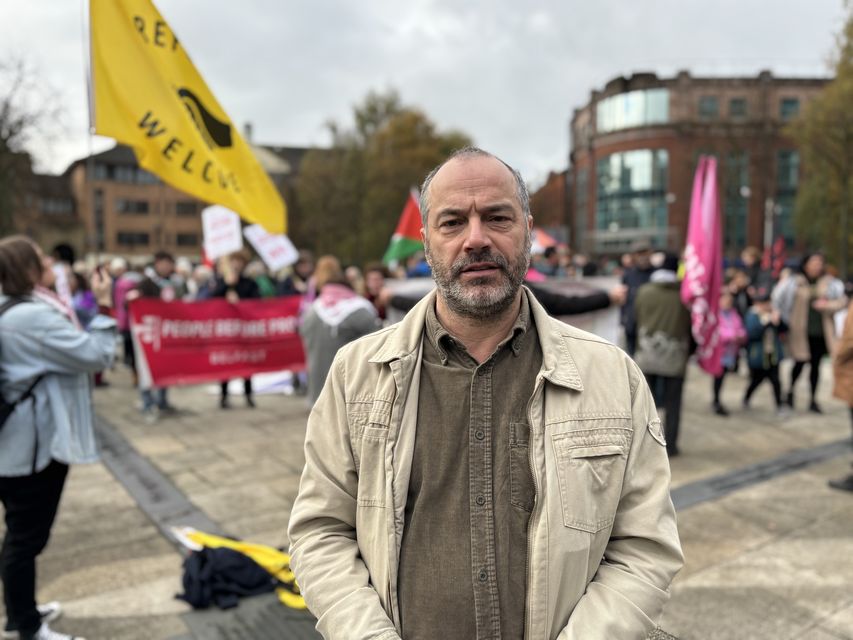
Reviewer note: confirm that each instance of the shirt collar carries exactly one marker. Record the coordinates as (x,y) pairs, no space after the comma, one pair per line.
(443,341)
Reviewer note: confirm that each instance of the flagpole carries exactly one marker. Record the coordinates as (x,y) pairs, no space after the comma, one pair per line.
(90,161)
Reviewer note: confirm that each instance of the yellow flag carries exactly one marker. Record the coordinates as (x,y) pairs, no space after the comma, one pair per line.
(148,94)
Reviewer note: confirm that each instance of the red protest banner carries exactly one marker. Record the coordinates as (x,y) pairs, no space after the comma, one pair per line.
(191,342)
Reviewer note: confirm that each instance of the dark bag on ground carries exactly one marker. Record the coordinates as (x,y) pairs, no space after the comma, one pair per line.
(221,576)
(6,407)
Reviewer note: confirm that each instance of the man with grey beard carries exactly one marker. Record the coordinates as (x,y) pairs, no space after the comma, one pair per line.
(480,469)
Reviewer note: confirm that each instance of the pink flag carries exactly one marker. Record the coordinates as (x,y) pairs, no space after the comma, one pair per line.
(703,259)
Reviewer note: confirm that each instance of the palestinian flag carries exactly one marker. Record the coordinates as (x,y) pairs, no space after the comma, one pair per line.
(407,237)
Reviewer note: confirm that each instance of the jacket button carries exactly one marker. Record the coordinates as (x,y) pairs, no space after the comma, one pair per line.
(480,500)
(479,434)
(483,576)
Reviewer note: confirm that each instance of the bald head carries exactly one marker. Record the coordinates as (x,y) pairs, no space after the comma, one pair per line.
(465,154)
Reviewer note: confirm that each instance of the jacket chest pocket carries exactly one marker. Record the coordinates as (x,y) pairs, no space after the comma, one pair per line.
(369,424)
(590,469)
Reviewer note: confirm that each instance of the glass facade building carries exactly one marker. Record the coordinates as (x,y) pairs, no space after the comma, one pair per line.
(631,198)
(632,109)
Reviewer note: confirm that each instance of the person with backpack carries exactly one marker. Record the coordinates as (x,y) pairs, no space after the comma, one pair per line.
(45,364)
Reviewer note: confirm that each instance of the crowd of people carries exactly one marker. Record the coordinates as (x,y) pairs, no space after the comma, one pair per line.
(763,318)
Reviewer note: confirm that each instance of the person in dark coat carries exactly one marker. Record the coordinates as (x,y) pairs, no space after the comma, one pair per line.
(664,343)
(234,285)
(634,278)
(764,326)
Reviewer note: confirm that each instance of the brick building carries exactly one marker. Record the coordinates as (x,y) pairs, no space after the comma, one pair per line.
(549,205)
(128,211)
(634,150)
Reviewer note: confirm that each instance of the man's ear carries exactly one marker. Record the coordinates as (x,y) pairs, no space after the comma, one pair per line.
(427,255)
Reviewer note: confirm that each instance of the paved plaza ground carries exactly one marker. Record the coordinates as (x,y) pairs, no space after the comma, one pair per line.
(769,550)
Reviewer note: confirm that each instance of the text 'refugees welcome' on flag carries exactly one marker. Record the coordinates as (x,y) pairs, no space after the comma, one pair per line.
(148,94)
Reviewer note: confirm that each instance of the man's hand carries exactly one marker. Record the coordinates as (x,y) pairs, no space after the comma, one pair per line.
(102,287)
(618,295)
(384,296)
(231,296)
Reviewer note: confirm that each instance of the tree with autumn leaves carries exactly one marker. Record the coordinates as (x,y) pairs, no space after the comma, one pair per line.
(824,134)
(352,194)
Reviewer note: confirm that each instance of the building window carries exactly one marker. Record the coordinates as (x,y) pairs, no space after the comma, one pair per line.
(100,235)
(632,109)
(736,202)
(56,206)
(631,199)
(709,108)
(101,172)
(787,170)
(145,177)
(789,108)
(186,208)
(187,240)
(123,173)
(132,238)
(737,108)
(132,207)
(787,181)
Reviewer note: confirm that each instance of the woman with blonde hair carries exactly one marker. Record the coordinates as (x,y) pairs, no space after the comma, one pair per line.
(336,317)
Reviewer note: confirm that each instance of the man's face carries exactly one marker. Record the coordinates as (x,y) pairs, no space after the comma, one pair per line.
(304,268)
(374,281)
(643,259)
(476,239)
(238,264)
(164,267)
(814,267)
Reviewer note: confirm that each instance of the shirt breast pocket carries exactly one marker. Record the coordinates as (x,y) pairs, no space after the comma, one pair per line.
(590,469)
(369,422)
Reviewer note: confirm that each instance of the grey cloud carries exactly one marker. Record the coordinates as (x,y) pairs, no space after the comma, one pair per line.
(507,73)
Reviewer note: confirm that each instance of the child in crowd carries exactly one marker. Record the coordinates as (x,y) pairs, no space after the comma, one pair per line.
(764,348)
(732,337)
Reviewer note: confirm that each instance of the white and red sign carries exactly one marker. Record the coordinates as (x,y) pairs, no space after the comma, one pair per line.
(275,249)
(221,229)
(192,342)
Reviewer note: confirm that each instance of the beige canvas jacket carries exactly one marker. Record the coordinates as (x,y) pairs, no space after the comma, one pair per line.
(602,543)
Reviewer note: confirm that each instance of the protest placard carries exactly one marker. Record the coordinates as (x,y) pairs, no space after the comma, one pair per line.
(221,229)
(276,250)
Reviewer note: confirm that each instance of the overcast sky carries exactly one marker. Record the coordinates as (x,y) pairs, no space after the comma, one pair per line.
(506,72)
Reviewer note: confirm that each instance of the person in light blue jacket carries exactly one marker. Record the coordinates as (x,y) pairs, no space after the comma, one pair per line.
(48,431)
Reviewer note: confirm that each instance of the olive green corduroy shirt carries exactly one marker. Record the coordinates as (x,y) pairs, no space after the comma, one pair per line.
(464,550)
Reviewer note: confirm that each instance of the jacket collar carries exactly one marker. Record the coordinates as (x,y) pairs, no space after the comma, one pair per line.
(558,365)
